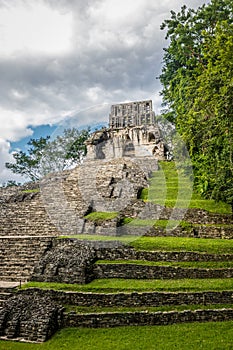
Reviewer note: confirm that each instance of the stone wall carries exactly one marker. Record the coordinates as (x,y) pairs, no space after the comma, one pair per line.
(67,261)
(116,319)
(120,252)
(193,231)
(30,317)
(197,216)
(135,299)
(134,271)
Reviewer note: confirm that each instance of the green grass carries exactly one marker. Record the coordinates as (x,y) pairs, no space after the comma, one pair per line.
(188,244)
(202,245)
(163,308)
(87,237)
(184,264)
(144,194)
(186,336)
(161,224)
(101,216)
(116,285)
(171,188)
(35,190)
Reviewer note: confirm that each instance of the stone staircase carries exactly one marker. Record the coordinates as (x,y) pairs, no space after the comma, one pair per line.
(18,256)
(3,297)
(6,291)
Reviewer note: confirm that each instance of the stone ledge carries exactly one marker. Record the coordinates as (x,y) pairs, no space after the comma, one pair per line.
(135,298)
(116,319)
(133,271)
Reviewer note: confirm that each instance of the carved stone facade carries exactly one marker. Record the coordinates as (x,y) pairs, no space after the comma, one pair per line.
(135,142)
(132,132)
(131,114)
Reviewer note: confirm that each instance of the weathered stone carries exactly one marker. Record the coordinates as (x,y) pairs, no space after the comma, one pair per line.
(131,114)
(31,317)
(68,261)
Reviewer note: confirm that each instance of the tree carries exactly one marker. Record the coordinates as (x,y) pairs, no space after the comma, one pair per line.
(45,156)
(198,91)
(11,183)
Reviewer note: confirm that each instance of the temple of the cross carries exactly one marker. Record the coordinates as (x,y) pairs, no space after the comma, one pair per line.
(132,132)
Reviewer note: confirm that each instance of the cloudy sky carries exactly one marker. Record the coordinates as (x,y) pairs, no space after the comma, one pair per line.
(73,58)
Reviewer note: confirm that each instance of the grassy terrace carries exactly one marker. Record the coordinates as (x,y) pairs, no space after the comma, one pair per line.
(184,264)
(202,245)
(164,308)
(177,244)
(170,188)
(205,336)
(115,285)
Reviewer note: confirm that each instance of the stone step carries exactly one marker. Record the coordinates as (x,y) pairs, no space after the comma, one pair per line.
(14,278)
(5,295)
(2,302)
(12,273)
(8,287)
(22,263)
(18,255)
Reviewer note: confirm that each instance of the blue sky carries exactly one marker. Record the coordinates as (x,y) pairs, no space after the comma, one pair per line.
(39,131)
(75,58)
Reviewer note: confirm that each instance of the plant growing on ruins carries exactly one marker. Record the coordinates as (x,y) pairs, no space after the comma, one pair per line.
(45,156)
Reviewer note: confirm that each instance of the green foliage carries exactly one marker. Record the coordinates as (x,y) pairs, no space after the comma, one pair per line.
(11,183)
(28,164)
(205,336)
(45,156)
(197,90)
(125,221)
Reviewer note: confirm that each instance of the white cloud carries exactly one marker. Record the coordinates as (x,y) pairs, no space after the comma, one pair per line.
(14,125)
(34,28)
(6,156)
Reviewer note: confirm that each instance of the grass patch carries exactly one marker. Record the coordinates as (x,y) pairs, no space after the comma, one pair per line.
(86,237)
(162,224)
(35,190)
(101,216)
(186,336)
(163,308)
(115,285)
(202,245)
(144,194)
(184,264)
